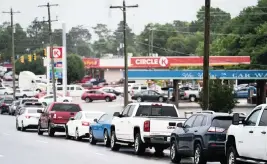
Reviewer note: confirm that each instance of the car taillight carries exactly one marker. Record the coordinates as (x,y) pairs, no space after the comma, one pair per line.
(85,123)
(3,104)
(28,116)
(147,126)
(184,93)
(216,129)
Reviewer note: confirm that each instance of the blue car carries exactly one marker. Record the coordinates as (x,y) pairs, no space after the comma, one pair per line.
(99,131)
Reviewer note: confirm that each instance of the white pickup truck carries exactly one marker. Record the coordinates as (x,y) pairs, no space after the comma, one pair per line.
(192,95)
(144,125)
(246,140)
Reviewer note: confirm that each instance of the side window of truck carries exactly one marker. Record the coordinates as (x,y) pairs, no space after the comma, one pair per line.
(130,112)
(125,111)
(252,120)
(263,120)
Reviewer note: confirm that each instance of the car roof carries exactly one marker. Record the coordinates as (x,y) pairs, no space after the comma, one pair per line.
(64,103)
(151,103)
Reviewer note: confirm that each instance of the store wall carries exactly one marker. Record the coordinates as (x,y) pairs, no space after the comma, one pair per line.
(112,75)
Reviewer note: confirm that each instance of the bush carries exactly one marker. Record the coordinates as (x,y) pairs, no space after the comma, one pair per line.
(221,97)
(75,66)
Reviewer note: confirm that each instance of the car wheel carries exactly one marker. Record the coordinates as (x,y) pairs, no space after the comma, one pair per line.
(88,99)
(192,98)
(22,127)
(139,147)
(175,157)
(113,145)
(198,157)
(5,93)
(106,139)
(231,156)
(161,99)
(17,126)
(67,133)
(65,100)
(92,139)
(107,99)
(24,96)
(39,129)
(51,131)
(77,137)
(139,99)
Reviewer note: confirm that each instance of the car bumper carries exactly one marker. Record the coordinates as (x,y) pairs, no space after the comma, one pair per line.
(215,151)
(31,123)
(84,131)
(59,127)
(157,140)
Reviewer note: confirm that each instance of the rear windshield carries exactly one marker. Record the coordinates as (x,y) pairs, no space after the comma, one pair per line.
(29,100)
(66,108)
(149,110)
(222,122)
(93,115)
(8,101)
(34,110)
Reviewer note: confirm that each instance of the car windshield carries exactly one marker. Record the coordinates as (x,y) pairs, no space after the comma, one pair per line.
(8,101)
(222,122)
(93,115)
(66,108)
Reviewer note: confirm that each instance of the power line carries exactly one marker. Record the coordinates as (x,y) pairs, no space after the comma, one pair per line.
(51,54)
(11,12)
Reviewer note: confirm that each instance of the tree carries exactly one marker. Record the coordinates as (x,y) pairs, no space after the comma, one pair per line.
(37,67)
(75,66)
(221,97)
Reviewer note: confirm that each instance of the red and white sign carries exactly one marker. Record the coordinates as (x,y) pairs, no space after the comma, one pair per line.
(57,52)
(164,62)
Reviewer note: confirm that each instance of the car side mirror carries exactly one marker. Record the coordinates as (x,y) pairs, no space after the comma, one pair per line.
(71,118)
(40,111)
(116,114)
(236,119)
(180,125)
(95,120)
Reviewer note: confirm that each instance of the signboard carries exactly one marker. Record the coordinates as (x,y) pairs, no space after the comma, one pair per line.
(163,62)
(58,73)
(91,62)
(58,64)
(197,74)
(57,52)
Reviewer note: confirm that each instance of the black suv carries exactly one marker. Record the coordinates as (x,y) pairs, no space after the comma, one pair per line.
(202,136)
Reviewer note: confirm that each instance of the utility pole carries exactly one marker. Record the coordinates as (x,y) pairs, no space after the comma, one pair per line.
(206,56)
(11,12)
(123,8)
(48,5)
(152,41)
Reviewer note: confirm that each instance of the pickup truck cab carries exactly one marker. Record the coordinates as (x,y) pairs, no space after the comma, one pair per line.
(55,117)
(144,125)
(191,95)
(246,140)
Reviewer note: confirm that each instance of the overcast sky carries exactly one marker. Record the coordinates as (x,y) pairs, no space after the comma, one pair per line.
(91,12)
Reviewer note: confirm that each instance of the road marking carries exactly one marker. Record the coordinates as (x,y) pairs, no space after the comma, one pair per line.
(99,154)
(7,134)
(42,141)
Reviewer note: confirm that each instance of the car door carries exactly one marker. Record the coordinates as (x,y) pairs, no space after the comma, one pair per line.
(100,95)
(79,91)
(196,131)
(186,134)
(120,127)
(71,124)
(128,124)
(250,135)
(262,132)
(154,96)
(99,127)
(45,117)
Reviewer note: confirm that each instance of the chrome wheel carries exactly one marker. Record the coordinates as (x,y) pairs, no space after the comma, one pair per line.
(112,142)
(136,144)
(231,158)
(172,152)
(139,99)
(105,137)
(90,136)
(192,99)
(197,155)
(161,99)
(76,134)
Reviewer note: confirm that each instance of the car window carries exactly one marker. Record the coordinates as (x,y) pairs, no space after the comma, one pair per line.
(77,116)
(143,88)
(66,108)
(48,97)
(263,120)
(198,121)
(125,111)
(135,88)
(78,88)
(152,93)
(252,120)
(8,101)
(189,122)
(130,112)
(72,88)
(154,110)
(204,122)
(59,88)
(222,122)
(105,117)
(29,100)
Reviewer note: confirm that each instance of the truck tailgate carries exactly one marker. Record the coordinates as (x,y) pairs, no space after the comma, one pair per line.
(164,125)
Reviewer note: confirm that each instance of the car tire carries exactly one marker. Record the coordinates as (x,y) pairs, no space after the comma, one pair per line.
(22,127)
(113,145)
(51,131)
(39,129)
(65,100)
(24,96)
(108,99)
(175,157)
(139,146)
(106,139)
(5,93)
(67,133)
(139,99)
(198,155)
(161,99)
(77,137)
(17,126)
(92,139)
(192,98)
(232,155)
(88,99)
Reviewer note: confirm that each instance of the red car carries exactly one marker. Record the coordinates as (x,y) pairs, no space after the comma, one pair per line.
(55,117)
(92,95)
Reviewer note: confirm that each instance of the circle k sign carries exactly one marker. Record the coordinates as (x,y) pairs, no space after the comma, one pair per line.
(150,62)
(57,52)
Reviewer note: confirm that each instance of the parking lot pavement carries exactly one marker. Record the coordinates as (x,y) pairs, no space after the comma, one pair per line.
(29,148)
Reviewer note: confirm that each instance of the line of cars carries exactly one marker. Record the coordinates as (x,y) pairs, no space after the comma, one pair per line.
(205,136)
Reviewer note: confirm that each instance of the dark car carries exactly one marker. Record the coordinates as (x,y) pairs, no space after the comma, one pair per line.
(5,104)
(149,95)
(202,136)
(111,90)
(55,117)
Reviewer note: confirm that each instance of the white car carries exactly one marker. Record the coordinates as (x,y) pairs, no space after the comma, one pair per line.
(50,98)
(6,91)
(24,93)
(78,126)
(28,118)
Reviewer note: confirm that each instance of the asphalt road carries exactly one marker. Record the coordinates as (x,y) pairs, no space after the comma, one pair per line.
(28,148)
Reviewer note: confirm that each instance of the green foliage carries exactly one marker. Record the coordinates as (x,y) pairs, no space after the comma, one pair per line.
(37,67)
(221,97)
(75,67)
